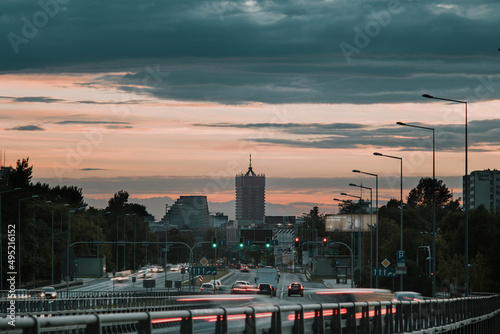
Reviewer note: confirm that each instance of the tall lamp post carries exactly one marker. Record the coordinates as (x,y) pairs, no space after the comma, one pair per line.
(127,214)
(376,207)
(466,192)
(116,259)
(401,181)
(433,201)
(371,238)
(360,253)
(52,255)
(67,248)
(19,235)
(99,241)
(1,246)
(352,240)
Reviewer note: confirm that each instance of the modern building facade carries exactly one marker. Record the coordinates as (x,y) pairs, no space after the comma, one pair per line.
(484,188)
(250,198)
(190,211)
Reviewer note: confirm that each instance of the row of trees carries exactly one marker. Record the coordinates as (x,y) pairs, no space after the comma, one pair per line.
(42,216)
(484,238)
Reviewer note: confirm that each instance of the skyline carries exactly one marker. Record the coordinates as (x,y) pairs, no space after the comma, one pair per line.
(170,99)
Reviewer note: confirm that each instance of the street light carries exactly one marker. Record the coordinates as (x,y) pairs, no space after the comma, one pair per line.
(53,238)
(466,192)
(371,236)
(116,259)
(360,253)
(67,248)
(19,235)
(401,160)
(376,206)
(1,247)
(99,241)
(433,201)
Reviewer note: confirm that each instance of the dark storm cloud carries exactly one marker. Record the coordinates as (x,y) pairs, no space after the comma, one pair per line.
(286,51)
(26,128)
(92,122)
(483,135)
(42,99)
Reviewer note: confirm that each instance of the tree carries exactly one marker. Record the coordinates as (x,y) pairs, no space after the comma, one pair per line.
(118,201)
(22,174)
(316,221)
(422,194)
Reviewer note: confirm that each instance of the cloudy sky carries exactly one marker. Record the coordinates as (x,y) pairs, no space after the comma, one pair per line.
(169,98)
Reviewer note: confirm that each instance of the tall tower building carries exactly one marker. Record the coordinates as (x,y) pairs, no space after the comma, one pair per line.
(250,197)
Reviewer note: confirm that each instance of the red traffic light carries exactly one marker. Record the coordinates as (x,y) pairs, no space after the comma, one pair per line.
(325,240)
(297,239)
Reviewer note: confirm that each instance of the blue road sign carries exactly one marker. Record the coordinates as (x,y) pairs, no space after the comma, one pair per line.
(401,258)
(202,270)
(384,272)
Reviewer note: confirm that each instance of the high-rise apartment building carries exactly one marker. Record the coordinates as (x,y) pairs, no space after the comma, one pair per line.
(484,188)
(250,197)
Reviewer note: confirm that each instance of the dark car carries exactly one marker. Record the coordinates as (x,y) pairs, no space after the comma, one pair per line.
(265,289)
(296,288)
(408,296)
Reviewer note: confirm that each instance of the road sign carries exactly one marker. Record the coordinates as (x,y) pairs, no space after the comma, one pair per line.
(204,261)
(386,263)
(384,272)
(331,243)
(401,259)
(202,270)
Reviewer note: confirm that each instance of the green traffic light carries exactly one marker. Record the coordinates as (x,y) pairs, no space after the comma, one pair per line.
(214,245)
(268,245)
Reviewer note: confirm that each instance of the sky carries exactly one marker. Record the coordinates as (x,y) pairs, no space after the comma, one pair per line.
(170,98)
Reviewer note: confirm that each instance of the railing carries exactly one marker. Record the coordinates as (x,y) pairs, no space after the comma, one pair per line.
(464,315)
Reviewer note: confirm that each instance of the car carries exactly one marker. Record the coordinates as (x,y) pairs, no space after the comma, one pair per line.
(241,283)
(266,289)
(48,292)
(407,296)
(175,267)
(244,268)
(295,288)
(19,293)
(217,283)
(207,287)
(243,289)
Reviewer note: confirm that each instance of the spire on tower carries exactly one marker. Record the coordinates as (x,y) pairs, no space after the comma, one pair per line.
(250,171)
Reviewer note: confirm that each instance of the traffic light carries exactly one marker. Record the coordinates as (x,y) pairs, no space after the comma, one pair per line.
(268,242)
(297,242)
(242,242)
(214,242)
(325,241)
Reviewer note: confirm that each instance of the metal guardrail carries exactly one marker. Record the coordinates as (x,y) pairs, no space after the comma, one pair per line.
(463,315)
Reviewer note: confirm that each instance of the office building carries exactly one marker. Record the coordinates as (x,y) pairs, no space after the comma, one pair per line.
(250,198)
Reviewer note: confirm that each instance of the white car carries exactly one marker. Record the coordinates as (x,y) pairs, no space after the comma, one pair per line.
(175,267)
(242,282)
